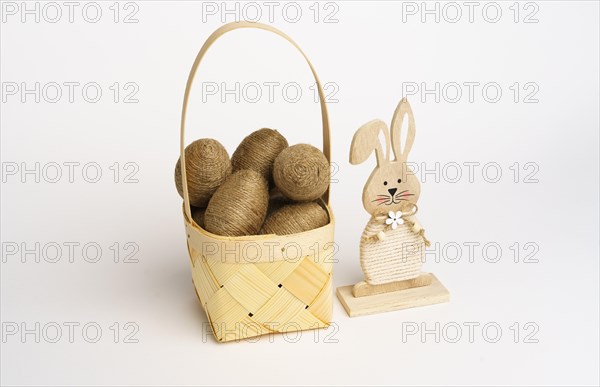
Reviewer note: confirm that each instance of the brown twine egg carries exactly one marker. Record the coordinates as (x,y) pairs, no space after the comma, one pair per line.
(258,152)
(198,215)
(295,218)
(277,200)
(301,172)
(207,166)
(239,206)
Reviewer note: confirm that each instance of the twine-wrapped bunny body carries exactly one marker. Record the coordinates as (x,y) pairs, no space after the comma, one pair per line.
(392,254)
(392,246)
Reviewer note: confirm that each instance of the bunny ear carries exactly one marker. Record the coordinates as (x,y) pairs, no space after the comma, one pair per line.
(366,139)
(403,109)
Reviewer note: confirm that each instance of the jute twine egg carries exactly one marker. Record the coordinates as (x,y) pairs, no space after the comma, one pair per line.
(258,152)
(198,215)
(295,218)
(239,206)
(301,172)
(277,200)
(207,166)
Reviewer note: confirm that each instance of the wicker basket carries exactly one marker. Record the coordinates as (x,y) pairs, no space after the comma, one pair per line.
(253,285)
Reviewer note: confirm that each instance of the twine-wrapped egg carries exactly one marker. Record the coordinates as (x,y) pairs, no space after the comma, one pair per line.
(276,201)
(207,165)
(198,215)
(258,152)
(301,172)
(239,206)
(295,218)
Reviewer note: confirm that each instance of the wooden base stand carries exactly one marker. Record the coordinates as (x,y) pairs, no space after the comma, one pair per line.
(362,298)
(363,289)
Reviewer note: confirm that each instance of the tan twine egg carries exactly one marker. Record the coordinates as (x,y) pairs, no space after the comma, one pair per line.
(207,166)
(258,152)
(301,172)
(277,200)
(295,218)
(239,206)
(198,215)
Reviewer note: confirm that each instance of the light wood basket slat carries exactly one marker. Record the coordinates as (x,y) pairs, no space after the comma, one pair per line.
(254,285)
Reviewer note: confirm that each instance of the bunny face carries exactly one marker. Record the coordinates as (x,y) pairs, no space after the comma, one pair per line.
(389,188)
(392,185)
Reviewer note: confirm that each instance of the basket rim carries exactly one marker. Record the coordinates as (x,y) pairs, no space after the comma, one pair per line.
(265,248)
(192,224)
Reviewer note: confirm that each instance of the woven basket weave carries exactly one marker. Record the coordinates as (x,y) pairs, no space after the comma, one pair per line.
(253,285)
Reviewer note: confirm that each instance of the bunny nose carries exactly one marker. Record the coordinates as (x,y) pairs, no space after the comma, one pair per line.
(392,191)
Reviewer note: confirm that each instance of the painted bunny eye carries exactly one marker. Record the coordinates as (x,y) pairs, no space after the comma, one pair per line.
(399,180)
(385,183)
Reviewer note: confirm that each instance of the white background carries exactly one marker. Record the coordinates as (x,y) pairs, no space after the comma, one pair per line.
(367,53)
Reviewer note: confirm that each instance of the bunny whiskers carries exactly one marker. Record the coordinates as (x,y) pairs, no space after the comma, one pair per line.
(382,199)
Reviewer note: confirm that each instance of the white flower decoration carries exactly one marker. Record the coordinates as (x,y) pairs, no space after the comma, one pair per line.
(394,219)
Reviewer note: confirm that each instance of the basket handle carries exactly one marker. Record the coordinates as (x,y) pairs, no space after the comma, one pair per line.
(211,39)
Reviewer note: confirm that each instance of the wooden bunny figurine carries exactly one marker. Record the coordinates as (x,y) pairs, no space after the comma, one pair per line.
(392,246)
